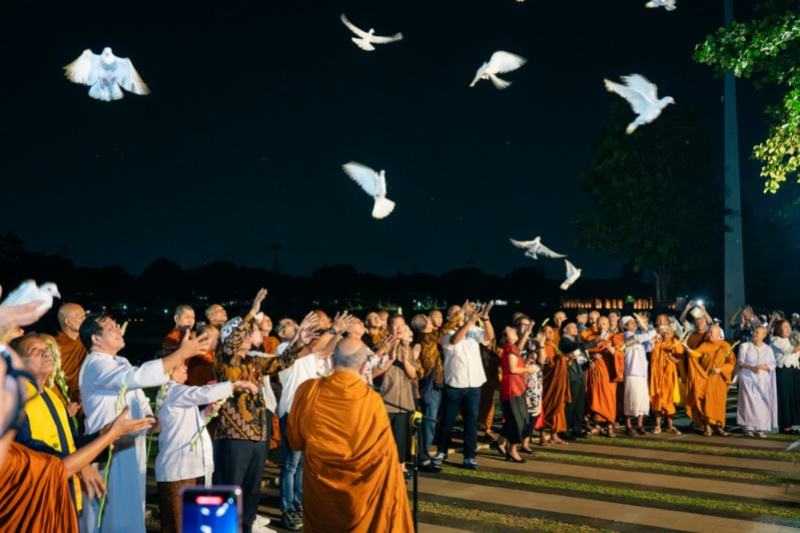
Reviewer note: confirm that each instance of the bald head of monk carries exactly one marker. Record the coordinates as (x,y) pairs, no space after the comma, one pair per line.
(70,318)
(350,355)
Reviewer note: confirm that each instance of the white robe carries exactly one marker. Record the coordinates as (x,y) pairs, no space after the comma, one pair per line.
(100,379)
(757,408)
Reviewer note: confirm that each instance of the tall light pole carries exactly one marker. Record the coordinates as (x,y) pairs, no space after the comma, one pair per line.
(734,256)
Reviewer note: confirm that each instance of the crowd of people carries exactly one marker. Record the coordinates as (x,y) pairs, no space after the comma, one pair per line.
(337,394)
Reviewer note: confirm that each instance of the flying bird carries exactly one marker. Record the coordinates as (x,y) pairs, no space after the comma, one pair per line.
(643,97)
(105,74)
(669,5)
(535,248)
(572,275)
(365,40)
(499,63)
(28,292)
(374,184)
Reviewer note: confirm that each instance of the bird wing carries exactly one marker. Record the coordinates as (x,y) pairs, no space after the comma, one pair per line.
(636,99)
(522,244)
(128,78)
(353,27)
(27,292)
(571,271)
(364,176)
(378,39)
(547,252)
(505,62)
(84,69)
(639,83)
(653,3)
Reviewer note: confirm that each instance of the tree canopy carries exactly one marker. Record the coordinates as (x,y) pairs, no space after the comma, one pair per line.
(653,199)
(768,49)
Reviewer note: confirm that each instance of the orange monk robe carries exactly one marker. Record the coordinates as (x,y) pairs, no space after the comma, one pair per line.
(35,493)
(706,394)
(174,338)
(73,353)
(372,340)
(601,389)
(352,480)
(695,339)
(555,389)
(664,375)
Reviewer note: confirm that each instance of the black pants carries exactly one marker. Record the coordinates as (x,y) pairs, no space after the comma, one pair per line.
(241,462)
(574,409)
(401,429)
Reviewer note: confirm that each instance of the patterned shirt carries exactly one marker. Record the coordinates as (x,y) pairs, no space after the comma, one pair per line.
(243,416)
(430,357)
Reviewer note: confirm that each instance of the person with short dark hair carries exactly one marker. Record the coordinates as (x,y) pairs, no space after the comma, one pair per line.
(184,321)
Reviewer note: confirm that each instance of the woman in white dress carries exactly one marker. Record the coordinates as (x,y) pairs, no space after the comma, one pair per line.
(757,408)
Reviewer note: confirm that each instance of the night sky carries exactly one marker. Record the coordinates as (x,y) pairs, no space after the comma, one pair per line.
(255,105)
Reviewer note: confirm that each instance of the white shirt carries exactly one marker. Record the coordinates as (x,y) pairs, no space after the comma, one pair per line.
(181,422)
(783,353)
(635,356)
(100,380)
(303,369)
(462,362)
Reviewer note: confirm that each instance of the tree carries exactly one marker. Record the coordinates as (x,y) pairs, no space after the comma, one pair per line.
(767,48)
(653,197)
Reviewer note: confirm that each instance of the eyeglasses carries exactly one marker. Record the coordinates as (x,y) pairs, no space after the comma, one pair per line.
(15,389)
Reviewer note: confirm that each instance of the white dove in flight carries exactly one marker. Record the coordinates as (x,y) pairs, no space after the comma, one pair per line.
(365,40)
(643,97)
(669,5)
(28,292)
(374,184)
(535,248)
(572,275)
(105,74)
(499,63)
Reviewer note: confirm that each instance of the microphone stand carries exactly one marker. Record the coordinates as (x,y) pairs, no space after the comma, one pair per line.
(416,422)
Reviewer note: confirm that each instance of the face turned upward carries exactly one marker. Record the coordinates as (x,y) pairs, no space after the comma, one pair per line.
(603,324)
(287,328)
(593,316)
(110,340)
(700,325)
(216,315)
(571,329)
(559,318)
(510,335)
(373,320)
(548,334)
(384,318)
(180,373)
(37,358)
(70,317)
(436,318)
(397,325)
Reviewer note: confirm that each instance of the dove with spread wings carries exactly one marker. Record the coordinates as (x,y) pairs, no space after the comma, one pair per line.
(499,63)
(669,5)
(105,74)
(366,39)
(535,248)
(374,184)
(643,98)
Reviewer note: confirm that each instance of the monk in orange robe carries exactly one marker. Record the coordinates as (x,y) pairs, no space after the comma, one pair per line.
(73,353)
(708,381)
(351,472)
(607,364)
(555,389)
(184,321)
(665,366)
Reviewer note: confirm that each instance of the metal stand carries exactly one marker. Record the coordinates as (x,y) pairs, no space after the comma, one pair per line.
(416,447)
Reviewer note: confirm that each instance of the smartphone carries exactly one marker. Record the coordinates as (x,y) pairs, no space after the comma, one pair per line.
(214,510)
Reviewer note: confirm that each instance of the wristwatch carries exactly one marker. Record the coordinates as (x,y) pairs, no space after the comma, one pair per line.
(332,331)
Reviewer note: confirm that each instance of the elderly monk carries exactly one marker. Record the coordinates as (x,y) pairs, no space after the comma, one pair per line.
(216,315)
(46,427)
(73,353)
(665,366)
(606,368)
(708,381)
(555,389)
(184,321)
(351,479)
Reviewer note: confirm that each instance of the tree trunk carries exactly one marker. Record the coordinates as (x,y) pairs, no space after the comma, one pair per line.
(662,287)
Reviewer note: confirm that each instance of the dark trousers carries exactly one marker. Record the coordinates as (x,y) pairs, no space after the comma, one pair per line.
(574,409)
(401,429)
(468,400)
(241,462)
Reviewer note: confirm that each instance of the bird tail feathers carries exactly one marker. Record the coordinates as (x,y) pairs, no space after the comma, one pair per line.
(500,84)
(383,206)
(631,128)
(363,44)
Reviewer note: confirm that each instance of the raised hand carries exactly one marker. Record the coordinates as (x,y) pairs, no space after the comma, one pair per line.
(122,425)
(311,319)
(195,346)
(260,295)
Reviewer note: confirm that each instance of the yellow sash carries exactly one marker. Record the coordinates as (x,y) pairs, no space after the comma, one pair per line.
(44,429)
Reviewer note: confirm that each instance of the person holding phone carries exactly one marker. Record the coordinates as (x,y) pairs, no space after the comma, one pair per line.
(184,447)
